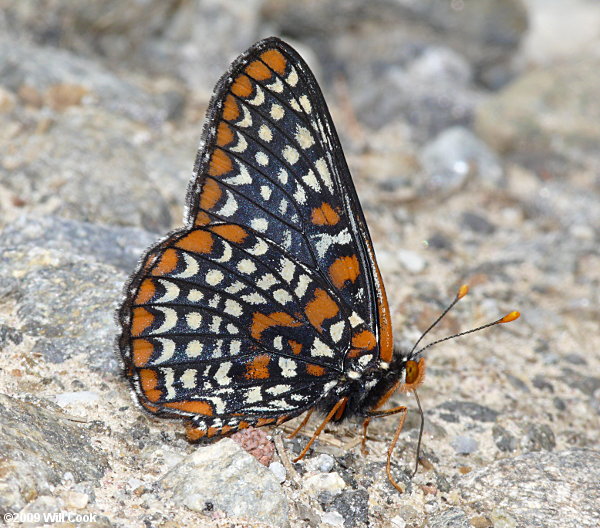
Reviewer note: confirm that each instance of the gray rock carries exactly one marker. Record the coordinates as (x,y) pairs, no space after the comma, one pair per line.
(224,475)
(86,292)
(59,79)
(477,223)
(452,518)
(538,437)
(353,506)
(555,490)
(464,445)
(38,447)
(474,411)
(120,247)
(454,155)
(505,441)
(85,165)
(510,121)
(485,31)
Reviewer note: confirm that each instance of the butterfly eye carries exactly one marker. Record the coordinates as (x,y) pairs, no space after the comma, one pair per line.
(412,372)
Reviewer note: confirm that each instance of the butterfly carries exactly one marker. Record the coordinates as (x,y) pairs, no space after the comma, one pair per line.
(269,302)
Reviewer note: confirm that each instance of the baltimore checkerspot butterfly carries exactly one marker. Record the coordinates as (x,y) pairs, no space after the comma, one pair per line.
(269,302)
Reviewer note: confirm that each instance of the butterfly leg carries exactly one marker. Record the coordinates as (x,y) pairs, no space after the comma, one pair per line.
(334,410)
(401,409)
(302,424)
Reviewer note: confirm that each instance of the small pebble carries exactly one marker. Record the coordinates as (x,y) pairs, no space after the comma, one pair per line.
(333,518)
(67,398)
(464,445)
(278,470)
(330,482)
(323,463)
(76,499)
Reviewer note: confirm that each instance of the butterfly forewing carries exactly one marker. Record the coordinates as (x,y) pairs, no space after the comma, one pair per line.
(259,307)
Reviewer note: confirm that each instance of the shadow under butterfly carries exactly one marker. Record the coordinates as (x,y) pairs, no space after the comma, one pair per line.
(269,302)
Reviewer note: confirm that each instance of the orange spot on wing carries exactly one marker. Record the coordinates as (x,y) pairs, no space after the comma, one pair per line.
(140,320)
(233,233)
(193,406)
(275,60)
(320,308)
(198,241)
(242,86)
(148,383)
(324,215)
(193,433)
(365,340)
(343,269)
(258,368)
(145,292)
(296,347)
(314,370)
(142,351)
(243,425)
(211,194)
(212,431)
(260,322)
(220,163)
(167,263)
(224,134)
(202,219)
(231,111)
(258,70)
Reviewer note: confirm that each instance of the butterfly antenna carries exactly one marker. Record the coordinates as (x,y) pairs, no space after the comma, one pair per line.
(462,291)
(509,317)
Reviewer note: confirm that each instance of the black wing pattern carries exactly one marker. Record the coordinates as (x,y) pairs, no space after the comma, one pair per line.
(271,294)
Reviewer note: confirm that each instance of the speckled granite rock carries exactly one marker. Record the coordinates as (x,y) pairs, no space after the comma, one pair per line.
(229,479)
(38,447)
(560,489)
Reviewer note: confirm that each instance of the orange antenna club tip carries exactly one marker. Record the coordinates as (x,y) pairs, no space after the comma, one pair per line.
(462,291)
(510,317)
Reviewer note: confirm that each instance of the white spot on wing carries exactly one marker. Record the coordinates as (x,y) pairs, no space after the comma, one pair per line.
(171,292)
(247,120)
(305,102)
(261,158)
(167,350)
(243,178)
(320,349)
(230,206)
(282,296)
(292,78)
(287,269)
(264,133)
(214,277)
(323,171)
(259,224)
(195,295)
(169,322)
(191,267)
(194,348)
(304,137)
(266,281)
(290,154)
(288,367)
(222,373)
(188,379)
(337,331)
(311,180)
(277,112)
(246,266)
(193,320)
(260,248)
(303,283)
(325,241)
(265,192)
(276,86)
(233,308)
(259,98)
(241,145)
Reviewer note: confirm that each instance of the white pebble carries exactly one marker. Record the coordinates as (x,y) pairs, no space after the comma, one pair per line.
(278,470)
(330,482)
(333,518)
